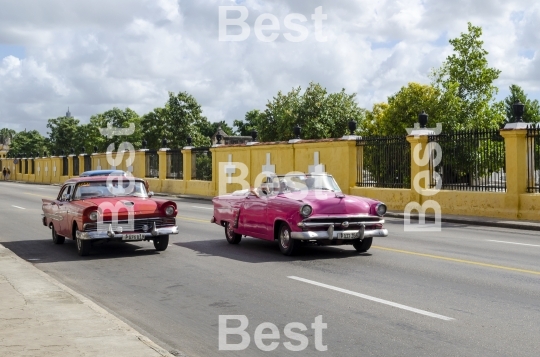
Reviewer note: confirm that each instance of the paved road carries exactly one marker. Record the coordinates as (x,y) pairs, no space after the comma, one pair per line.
(466,291)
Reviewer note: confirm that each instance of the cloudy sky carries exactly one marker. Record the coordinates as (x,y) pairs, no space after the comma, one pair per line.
(96,55)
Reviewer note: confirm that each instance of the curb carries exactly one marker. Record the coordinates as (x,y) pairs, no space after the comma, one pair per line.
(528,226)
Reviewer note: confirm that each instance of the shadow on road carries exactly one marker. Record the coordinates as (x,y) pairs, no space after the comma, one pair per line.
(251,250)
(44,251)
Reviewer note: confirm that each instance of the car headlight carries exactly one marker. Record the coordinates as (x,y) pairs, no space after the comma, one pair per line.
(93,216)
(381,209)
(306,210)
(169,211)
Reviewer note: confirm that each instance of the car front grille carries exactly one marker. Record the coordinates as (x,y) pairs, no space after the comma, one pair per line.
(340,222)
(138,224)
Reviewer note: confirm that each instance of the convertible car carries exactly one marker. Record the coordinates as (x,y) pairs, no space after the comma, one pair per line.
(296,209)
(108,208)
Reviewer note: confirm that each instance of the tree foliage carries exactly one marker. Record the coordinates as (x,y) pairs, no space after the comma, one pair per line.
(27,143)
(318,113)
(181,117)
(467,82)
(62,134)
(6,135)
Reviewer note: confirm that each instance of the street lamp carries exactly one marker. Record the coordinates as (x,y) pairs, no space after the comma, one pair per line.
(352,126)
(297,131)
(422,119)
(518,108)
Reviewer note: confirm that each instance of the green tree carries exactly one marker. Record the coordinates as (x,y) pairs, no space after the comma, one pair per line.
(319,114)
(91,135)
(532,107)
(181,117)
(208,129)
(62,134)
(466,75)
(6,135)
(250,122)
(27,143)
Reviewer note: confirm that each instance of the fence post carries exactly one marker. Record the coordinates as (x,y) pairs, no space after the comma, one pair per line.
(139,165)
(515,141)
(421,142)
(162,153)
(186,154)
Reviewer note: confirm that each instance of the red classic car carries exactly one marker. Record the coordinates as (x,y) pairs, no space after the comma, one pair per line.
(106,208)
(300,208)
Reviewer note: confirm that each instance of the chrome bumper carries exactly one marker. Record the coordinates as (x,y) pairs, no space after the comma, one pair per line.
(331,234)
(110,234)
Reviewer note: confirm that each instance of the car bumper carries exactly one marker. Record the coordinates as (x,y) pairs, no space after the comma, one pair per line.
(330,234)
(114,235)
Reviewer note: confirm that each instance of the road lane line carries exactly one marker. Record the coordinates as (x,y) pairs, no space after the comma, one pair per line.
(371,298)
(501,241)
(34,194)
(193,219)
(18,207)
(459,260)
(203,207)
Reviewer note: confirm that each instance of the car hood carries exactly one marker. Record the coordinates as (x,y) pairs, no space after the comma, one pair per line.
(327,202)
(124,204)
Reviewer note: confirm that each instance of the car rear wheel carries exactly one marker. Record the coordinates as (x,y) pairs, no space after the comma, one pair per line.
(232,238)
(287,245)
(83,247)
(56,238)
(363,245)
(161,243)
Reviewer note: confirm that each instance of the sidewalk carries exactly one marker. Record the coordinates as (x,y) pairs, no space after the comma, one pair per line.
(39,316)
(446,218)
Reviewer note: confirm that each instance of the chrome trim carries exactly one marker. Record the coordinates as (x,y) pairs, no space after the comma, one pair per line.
(309,235)
(326,224)
(213,220)
(105,234)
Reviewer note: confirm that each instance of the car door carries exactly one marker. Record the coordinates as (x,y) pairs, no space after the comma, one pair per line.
(63,211)
(253,217)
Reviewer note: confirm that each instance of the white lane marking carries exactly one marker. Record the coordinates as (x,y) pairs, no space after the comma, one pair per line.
(367,297)
(18,207)
(501,241)
(203,207)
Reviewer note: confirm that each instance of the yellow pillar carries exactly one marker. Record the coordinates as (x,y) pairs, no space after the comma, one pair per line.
(419,144)
(515,141)
(139,165)
(186,167)
(162,164)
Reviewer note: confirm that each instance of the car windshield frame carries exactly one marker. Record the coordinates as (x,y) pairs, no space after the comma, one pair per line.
(109,188)
(301,182)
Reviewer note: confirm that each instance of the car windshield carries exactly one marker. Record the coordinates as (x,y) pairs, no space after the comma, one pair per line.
(293,183)
(111,188)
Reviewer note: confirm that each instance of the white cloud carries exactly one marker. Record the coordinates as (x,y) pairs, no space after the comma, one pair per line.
(94,56)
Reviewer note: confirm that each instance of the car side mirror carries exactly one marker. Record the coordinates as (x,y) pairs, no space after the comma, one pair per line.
(66,197)
(150,193)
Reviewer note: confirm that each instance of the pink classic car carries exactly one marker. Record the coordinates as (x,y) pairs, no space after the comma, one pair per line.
(296,209)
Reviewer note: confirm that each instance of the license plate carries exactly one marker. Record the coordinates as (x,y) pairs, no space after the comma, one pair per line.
(133,237)
(347,235)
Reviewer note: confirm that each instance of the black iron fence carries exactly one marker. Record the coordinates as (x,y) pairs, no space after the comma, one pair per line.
(175,164)
(533,158)
(87,163)
(202,169)
(32,172)
(75,161)
(20,166)
(472,160)
(65,166)
(151,164)
(384,162)
(26,166)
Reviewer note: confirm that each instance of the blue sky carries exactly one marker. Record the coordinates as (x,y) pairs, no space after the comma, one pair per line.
(130,53)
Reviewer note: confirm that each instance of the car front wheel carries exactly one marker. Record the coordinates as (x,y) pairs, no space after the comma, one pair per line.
(287,245)
(363,245)
(83,247)
(161,243)
(232,238)
(56,238)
